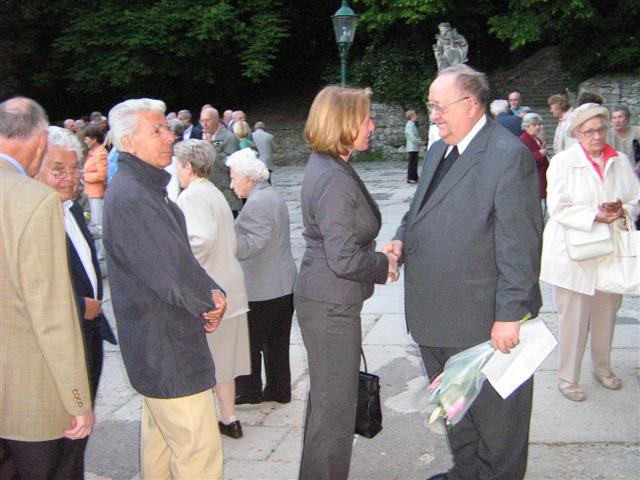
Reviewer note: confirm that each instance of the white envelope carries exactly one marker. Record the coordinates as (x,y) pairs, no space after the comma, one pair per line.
(506,372)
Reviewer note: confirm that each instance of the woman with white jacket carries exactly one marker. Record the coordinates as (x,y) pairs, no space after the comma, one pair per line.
(587,184)
(212,237)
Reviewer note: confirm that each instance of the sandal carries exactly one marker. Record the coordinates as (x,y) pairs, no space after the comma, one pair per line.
(572,391)
(610,381)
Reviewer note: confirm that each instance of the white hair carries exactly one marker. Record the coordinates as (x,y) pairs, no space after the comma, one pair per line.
(246,163)
(64,139)
(123,118)
(498,106)
(531,119)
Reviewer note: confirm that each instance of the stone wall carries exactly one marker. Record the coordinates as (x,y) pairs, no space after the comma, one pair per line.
(617,91)
(387,143)
(388,138)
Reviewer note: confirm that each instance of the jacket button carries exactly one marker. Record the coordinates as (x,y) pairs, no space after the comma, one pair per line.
(410,250)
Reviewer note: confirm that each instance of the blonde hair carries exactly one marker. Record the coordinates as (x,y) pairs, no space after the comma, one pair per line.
(335,118)
(241,129)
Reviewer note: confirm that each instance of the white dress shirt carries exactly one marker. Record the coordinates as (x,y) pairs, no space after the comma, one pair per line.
(80,244)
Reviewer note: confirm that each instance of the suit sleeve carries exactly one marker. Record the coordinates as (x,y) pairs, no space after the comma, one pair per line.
(147,246)
(518,238)
(254,229)
(335,213)
(51,304)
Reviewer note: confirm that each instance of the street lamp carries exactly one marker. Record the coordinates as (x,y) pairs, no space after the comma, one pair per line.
(344,26)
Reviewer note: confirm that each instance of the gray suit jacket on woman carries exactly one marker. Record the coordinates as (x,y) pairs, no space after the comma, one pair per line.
(341,221)
(264,245)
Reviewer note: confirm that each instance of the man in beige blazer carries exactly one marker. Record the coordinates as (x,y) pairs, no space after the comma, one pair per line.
(44,391)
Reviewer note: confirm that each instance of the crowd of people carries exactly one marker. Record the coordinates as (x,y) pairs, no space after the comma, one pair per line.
(198,252)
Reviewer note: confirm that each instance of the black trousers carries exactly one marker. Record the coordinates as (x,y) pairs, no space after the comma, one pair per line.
(269,332)
(491,441)
(32,460)
(412,169)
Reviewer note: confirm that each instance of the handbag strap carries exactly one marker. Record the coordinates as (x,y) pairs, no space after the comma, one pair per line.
(364,359)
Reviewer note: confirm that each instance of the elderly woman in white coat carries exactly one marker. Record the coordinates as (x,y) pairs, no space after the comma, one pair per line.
(210,228)
(264,251)
(587,184)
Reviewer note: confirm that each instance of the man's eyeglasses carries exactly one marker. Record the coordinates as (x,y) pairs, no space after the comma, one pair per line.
(61,173)
(440,109)
(592,131)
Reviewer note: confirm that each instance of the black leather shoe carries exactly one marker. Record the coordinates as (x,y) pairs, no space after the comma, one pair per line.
(438,476)
(245,399)
(233,430)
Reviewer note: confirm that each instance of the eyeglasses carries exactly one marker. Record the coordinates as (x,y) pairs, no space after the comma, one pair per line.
(61,173)
(592,131)
(440,109)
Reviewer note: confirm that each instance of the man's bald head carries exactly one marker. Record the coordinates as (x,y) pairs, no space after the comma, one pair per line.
(210,120)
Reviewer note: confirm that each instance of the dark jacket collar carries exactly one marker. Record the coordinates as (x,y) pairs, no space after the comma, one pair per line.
(155,178)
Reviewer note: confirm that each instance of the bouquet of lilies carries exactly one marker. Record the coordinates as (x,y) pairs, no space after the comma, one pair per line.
(455,389)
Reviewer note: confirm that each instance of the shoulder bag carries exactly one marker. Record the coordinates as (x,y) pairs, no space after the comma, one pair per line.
(619,272)
(583,245)
(369,412)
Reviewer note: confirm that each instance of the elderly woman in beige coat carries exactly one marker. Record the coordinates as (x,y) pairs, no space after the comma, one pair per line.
(210,228)
(588,184)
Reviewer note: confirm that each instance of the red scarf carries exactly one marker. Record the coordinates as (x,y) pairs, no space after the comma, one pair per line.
(608,153)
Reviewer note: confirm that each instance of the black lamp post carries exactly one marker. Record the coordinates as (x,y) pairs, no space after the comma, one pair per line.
(344,27)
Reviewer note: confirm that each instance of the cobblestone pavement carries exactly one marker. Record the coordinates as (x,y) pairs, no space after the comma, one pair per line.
(596,439)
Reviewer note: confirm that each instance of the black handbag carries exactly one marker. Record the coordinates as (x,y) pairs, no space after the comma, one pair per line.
(368,413)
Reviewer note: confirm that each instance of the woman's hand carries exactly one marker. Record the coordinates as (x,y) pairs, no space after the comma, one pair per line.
(609,212)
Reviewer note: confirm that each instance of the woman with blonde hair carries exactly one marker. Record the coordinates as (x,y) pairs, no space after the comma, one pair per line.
(339,268)
(242,131)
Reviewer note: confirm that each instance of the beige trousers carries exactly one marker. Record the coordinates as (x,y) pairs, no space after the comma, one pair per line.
(576,314)
(180,438)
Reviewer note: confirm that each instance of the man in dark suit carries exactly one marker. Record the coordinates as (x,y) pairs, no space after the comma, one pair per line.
(62,172)
(471,244)
(190,130)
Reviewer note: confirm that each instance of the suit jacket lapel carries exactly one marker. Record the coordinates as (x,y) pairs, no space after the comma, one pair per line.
(468,159)
(434,156)
(78,214)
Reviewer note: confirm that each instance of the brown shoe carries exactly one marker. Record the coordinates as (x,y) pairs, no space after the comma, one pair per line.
(610,381)
(572,391)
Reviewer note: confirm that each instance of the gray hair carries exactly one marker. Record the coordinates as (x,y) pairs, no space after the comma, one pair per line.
(246,163)
(498,106)
(186,113)
(259,125)
(64,139)
(531,119)
(409,113)
(176,126)
(22,118)
(470,81)
(123,118)
(200,154)
(623,109)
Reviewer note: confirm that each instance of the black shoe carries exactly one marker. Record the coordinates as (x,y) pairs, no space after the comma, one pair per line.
(413,181)
(438,476)
(266,397)
(245,399)
(233,430)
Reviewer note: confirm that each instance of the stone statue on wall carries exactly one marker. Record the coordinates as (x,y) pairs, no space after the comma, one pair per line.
(450,48)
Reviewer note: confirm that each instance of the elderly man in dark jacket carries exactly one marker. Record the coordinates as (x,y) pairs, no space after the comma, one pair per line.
(163,301)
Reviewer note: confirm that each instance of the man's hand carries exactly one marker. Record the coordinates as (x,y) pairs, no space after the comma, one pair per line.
(213,317)
(394,247)
(505,335)
(80,426)
(92,308)
(394,273)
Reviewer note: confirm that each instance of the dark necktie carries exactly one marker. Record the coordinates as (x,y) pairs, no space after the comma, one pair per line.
(441,171)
